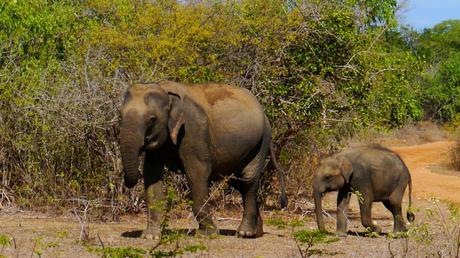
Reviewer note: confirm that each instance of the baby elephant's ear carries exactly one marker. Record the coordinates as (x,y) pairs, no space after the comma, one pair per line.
(346,167)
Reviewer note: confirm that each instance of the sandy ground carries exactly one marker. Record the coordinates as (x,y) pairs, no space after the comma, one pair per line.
(36,235)
(420,159)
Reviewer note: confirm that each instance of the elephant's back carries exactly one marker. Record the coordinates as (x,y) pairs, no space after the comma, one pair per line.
(236,121)
(228,107)
(222,96)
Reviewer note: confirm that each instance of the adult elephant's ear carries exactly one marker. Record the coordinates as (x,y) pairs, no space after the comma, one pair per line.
(176,116)
(346,167)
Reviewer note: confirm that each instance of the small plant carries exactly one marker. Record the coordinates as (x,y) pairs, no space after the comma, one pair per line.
(359,195)
(370,233)
(454,211)
(81,210)
(168,237)
(118,252)
(438,238)
(308,238)
(62,234)
(40,245)
(421,233)
(5,241)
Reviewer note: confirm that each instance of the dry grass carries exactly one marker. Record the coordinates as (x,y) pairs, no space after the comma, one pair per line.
(410,134)
(455,157)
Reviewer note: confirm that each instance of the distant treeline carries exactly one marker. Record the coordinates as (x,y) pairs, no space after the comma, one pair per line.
(322,68)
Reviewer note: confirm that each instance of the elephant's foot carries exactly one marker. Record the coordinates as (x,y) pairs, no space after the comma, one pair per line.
(400,229)
(207,228)
(399,225)
(151,232)
(249,230)
(341,234)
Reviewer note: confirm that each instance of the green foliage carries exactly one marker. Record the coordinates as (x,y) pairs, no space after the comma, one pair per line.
(441,41)
(314,236)
(440,46)
(442,89)
(118,252)
(370,233)
(359,195)
(41,246)
(5,241)
(454,211)
(376,12)
(306,239)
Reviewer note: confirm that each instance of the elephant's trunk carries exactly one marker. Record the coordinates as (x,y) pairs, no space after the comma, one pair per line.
(131,142)
(319,209)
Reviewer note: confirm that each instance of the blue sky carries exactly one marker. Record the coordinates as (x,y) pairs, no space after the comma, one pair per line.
(422,14)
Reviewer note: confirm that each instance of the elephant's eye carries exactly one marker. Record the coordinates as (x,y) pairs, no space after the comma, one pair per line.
(328,177)
(152,119)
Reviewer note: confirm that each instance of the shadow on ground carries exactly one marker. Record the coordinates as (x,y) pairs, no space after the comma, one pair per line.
(185,231)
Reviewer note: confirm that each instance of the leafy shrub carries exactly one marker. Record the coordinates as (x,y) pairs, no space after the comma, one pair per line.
(442,90)
(310,238)
(119,252)
(440,46)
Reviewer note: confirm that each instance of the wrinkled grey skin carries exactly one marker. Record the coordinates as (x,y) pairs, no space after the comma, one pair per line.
(208,131)
(378,174)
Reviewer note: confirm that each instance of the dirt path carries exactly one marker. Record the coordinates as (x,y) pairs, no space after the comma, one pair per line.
(425,182)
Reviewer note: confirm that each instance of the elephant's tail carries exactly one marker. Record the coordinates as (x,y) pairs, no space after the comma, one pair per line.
(281,177)
(410,215)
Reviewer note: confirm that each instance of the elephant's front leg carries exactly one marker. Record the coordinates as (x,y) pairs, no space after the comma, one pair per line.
(343,200)
(198,174)
(154,195)
(365,206)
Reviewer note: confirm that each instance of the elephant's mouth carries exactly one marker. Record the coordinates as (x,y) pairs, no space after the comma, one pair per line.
(151,145)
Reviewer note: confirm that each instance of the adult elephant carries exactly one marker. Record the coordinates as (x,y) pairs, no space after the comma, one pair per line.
(373,172)
(208,131)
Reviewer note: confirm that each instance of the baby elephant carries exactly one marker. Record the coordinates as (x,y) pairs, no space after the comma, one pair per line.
(377,173)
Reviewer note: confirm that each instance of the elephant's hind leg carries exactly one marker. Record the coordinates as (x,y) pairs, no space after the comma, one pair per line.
(393,204)
(251,224)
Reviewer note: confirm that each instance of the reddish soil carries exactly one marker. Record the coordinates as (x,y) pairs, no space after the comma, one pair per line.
(426,183)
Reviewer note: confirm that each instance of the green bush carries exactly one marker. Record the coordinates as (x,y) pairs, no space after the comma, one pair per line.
(440,46)
(442,90)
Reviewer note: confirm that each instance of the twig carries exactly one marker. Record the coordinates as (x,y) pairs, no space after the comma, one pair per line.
(392,255)
(100,241)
